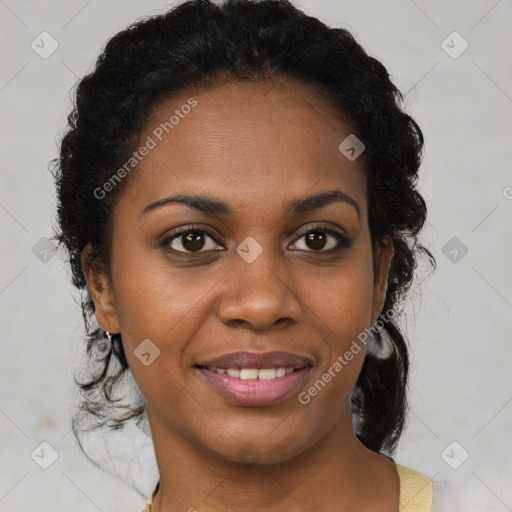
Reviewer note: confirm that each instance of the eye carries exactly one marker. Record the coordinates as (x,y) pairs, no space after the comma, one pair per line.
(321,239)
(190,240)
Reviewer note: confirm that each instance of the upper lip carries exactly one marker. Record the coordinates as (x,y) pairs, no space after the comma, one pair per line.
(258,360)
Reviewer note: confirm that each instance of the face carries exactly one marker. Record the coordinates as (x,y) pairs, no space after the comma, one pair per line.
(257,266)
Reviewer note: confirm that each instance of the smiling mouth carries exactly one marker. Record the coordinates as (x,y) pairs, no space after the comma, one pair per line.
(255,379)
(254,387)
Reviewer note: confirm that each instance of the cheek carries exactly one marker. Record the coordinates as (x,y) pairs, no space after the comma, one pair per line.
(342,306)
(343,320)
(157,303)
(152,297)
(166,305)
(343,299)
(160,309)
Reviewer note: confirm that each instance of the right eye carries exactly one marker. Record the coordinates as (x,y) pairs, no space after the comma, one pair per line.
(190,241)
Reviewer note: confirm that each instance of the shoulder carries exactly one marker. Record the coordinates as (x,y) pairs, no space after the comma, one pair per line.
(419,493)
(416,490)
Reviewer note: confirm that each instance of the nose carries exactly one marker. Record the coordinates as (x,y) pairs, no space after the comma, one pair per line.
(258,295)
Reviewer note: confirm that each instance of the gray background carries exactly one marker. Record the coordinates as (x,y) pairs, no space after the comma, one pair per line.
(459,323)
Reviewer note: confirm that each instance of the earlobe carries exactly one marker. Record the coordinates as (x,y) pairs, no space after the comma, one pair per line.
(383,256)
(100,290)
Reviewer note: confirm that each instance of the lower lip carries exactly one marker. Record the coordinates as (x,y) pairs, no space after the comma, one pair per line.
(255,392)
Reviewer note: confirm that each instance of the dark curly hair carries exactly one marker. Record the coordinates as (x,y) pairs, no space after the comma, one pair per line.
(199,42)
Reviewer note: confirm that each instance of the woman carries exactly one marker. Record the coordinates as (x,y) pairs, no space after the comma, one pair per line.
(236,193)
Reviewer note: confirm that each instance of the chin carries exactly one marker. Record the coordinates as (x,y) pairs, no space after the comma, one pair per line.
(265,451)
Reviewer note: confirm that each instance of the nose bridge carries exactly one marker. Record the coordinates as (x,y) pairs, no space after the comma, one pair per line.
(258,291)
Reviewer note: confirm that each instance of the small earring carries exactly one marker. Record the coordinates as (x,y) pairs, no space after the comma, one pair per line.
(102,346)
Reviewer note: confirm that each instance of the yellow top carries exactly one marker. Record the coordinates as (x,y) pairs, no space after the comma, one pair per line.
(415,491)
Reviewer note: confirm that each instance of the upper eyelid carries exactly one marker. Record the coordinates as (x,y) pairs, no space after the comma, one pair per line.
(319,226)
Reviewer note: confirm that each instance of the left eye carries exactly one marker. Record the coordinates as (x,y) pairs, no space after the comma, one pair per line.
(317,240)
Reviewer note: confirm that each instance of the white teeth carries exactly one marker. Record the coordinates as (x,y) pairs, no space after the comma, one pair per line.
(267,374)
(280,372)
(254,373)
(248,374)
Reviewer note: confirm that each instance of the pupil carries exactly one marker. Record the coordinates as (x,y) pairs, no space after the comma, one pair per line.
(317,240)
(193,241)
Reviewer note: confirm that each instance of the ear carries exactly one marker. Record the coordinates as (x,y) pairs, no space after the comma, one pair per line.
(100,290)
(383,254)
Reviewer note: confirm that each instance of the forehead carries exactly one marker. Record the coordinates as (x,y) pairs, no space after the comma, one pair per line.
(244,141)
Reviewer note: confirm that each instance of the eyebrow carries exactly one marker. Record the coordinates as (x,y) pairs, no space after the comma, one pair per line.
(294,207)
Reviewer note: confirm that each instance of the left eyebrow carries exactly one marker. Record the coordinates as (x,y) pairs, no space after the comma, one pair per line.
(306,204)
(294,207)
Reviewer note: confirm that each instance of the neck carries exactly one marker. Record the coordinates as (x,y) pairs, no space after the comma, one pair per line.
(338,473)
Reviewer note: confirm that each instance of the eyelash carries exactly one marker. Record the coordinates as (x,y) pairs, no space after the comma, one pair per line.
(343,241)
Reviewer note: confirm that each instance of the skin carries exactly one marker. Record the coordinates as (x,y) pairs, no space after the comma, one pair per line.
(254,146)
